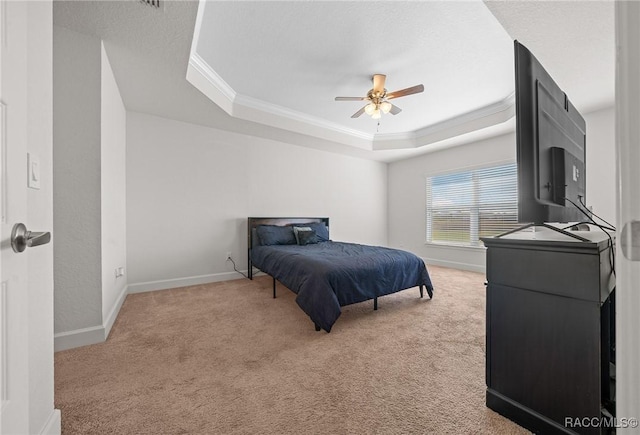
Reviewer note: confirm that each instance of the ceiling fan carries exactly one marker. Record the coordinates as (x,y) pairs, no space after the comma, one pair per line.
(378,98)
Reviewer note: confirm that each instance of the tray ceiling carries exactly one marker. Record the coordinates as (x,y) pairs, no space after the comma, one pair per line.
(283,63)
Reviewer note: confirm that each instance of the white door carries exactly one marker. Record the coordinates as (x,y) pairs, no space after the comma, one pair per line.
(25,124)
(628,235)
(14,381)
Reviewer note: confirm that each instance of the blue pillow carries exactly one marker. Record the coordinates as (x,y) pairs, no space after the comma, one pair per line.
(305,235)
(275,235)
(322,231)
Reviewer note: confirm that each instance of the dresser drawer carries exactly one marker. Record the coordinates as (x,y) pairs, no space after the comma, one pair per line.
(575,275)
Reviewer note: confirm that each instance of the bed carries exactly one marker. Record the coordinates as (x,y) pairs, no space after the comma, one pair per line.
(327,275)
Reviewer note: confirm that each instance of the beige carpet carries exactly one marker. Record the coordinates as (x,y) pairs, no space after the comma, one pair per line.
(227,358)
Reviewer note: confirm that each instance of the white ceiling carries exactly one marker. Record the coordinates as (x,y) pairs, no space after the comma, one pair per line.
(273,68)
(298,56)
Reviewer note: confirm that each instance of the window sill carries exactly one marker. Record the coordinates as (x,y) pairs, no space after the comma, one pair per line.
(461,247)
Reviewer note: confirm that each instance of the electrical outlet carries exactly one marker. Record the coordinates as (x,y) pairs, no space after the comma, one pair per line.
(228,257)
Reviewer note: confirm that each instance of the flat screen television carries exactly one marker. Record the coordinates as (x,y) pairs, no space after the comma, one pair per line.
(551,146)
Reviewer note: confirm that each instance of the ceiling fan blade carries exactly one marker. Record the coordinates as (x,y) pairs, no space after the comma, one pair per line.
(404,92)
(358,113)
(378,82)
(395,110)
(350,98)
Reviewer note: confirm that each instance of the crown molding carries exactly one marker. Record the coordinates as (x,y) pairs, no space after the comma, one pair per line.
(207,81)
(203,77)
(487,116)
(294,115)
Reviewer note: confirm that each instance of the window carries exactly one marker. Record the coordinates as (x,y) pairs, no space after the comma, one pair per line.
(464,206)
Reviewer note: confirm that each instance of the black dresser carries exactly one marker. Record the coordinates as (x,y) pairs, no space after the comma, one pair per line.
(550,331)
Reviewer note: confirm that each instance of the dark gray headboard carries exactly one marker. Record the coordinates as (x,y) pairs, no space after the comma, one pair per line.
(254,222)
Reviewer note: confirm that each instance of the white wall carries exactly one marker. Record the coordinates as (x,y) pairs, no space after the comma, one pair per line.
(191,188)
(89,190)
(113,192)
(601,163)
(407,197)
(76,178)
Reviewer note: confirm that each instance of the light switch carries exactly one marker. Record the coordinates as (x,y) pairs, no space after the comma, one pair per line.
(33,171)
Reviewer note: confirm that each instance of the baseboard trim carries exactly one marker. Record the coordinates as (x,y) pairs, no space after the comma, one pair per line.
(113,315)
(165,284)
(92,335)
(53,425)
(78,337)
(455,265)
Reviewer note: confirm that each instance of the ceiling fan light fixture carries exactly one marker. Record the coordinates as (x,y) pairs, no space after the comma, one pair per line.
(378,96)
(385,106)
(370,108)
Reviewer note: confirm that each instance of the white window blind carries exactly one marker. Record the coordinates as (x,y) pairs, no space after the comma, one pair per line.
(464,206)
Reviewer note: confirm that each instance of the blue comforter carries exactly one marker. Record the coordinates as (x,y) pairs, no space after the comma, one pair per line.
(328,275)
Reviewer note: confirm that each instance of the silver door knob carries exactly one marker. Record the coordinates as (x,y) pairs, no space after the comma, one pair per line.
(22,239)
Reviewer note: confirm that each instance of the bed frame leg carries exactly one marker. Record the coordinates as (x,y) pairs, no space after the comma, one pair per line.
(421,291)
(375,304)
(317,327)
(274,287)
